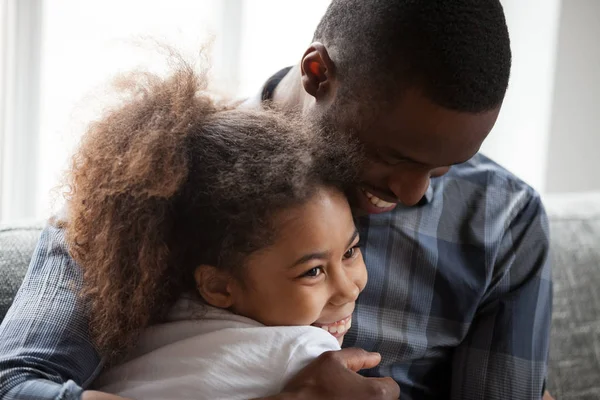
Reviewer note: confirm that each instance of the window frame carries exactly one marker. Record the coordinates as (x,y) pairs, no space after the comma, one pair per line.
(20,59)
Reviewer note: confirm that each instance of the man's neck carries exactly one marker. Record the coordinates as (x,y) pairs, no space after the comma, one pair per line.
(289,94)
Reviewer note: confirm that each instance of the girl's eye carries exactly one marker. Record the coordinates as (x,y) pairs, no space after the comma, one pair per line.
(352,252)
(313,272)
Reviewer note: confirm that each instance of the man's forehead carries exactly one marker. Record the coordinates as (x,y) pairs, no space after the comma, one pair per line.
(428,134)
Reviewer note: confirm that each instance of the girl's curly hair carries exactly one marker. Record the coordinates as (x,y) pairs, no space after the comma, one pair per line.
(169,180)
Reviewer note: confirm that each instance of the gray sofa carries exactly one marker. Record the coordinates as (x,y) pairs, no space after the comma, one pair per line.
(575,231)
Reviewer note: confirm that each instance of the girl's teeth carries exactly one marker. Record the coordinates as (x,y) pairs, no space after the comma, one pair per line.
(338,329)
(377,202)
(341,327)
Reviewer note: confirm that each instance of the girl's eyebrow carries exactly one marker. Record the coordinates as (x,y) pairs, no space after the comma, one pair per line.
(353,238)
(321,255)
(309,257)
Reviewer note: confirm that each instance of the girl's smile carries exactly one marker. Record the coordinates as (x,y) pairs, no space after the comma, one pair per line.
(338,328)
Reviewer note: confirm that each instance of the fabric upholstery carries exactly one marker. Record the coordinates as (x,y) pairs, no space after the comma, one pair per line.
(17,243)
(575,345)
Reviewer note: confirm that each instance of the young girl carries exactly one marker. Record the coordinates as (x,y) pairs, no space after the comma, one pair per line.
(219,253)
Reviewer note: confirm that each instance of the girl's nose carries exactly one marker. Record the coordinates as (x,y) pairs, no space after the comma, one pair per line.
(344,288)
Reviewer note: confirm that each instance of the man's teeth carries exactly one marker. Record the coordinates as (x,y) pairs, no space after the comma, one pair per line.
(377,202)
(338,328)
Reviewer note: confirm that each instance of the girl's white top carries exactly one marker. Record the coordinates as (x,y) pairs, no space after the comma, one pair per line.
(203,352)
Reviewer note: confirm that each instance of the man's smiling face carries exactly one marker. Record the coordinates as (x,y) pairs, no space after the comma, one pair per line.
(406,144)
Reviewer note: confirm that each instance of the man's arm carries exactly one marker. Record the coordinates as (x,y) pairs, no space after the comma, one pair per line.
(93,395)
(45,350)
(504,355)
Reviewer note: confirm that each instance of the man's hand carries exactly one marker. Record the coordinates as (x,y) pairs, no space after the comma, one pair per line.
(93,395)
(333,376)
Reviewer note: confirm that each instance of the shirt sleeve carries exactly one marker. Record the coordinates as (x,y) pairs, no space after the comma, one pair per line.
(45,350)
(308,345)
(504,355)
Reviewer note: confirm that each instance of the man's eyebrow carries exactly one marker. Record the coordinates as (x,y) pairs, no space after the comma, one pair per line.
(397,155)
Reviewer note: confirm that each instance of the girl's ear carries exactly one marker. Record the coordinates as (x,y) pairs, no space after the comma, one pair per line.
(214,286)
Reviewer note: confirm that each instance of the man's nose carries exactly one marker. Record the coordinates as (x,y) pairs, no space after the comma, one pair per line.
(409,188)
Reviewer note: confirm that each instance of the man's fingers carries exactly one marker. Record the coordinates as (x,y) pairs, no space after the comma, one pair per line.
(357,359)
(371,360)
(385,388)
(547,396)
(343,381)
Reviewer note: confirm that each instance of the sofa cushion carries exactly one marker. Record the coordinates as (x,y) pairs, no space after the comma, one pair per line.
(574,371)
(17,244)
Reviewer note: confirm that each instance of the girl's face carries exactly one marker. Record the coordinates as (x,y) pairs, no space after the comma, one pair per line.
(311,275)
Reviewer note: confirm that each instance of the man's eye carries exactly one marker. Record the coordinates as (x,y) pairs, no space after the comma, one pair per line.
(313,272)
(389,160)
(385,159)
(352,252)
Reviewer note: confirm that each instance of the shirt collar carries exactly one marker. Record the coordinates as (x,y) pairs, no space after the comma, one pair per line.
(427,197)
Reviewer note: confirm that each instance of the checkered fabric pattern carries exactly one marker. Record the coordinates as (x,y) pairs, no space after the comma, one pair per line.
(459,294)
(45,350)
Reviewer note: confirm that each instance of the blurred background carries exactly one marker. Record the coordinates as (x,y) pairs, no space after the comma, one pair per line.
(56,54)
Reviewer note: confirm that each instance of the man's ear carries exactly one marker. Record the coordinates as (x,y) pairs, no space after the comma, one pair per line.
(318,71)
(214,286)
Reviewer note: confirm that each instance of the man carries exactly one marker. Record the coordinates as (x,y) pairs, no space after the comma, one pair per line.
(458,302)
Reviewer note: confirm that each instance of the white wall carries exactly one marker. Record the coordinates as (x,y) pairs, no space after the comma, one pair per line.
(251,42)
(20,41)
(550,145)
(574,148)
(85,44)
(520,138)
(275,34)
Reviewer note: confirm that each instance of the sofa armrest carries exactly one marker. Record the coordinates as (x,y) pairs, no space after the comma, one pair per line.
(17,243)
(574,368)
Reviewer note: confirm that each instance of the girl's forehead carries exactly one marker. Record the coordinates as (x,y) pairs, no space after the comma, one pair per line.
(320,222)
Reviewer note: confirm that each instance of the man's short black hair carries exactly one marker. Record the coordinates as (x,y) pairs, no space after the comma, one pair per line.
(456,51)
